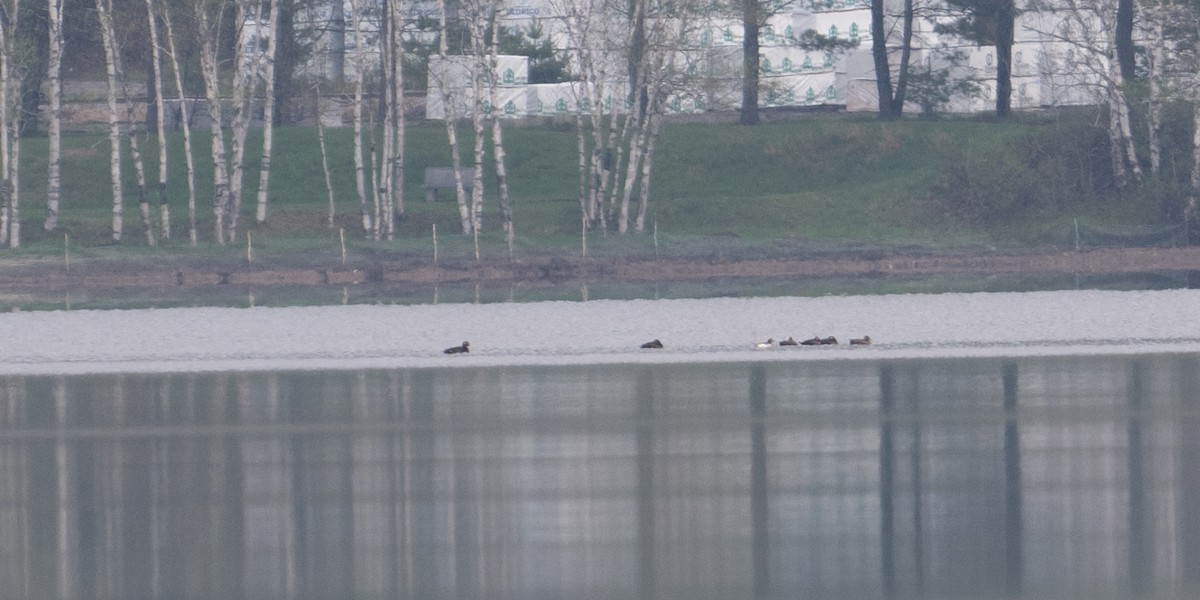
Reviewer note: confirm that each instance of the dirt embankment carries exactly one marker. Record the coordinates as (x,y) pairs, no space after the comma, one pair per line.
(47,275)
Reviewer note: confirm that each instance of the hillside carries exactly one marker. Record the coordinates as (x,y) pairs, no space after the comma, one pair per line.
(801,188)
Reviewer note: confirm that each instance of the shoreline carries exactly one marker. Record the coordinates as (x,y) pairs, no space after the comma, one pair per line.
(48,276)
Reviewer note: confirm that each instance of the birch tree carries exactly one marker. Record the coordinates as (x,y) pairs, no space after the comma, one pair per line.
(207,29)
(164,209)
(54,117)
(589,29)
(264,174)
(119,98)
(390,176)
(1088,27)
(239,126)
(360,179)
(114,120)
(658,76)
(498,134)
(477,26)
(325,164)
(618,142)
(443,89)
(185,120)
(396,185)
(10,118)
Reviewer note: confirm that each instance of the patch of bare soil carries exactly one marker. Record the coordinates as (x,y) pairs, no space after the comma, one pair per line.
(49,276)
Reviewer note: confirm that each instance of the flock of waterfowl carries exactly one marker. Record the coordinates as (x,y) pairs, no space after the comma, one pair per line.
(770,343)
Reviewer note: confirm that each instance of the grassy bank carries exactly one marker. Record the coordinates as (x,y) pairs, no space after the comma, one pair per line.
(812,184)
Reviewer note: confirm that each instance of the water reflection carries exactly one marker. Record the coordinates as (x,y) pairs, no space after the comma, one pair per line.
(1054,477)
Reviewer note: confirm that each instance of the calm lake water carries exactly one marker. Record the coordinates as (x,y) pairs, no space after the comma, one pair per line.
(987,445)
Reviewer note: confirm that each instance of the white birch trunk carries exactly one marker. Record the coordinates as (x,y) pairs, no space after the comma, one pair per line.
(118,84)
(7,57)
(239,127)
(383,179)
(464,213)
(639,223)
(164,208)
(54,122)
(498,137)
(1126,128)
(478,70)
(14,187)
(581,140)
(185,120)
(264,173)
(360,179)
(397,168)
(114,121)
(601,159)
(631,172)
(207,31)
(325,167)
(376,177)
(1157,58)
(1194,196)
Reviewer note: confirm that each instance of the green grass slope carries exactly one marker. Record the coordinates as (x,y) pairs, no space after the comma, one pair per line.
(818,182)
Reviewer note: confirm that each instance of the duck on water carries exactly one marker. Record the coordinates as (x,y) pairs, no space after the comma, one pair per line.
(463,349)
(820,341)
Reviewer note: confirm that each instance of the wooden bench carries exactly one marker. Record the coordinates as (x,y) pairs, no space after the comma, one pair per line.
(437,178)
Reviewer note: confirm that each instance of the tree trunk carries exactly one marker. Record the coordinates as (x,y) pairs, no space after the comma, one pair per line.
(14,184)
(464,213)
(1154,117)
(883,73)
(1193,199)
(395,33)
(114,120)
(164,209)
(581,142)
(1121,127)
(750,60)
(7,19)
(479,65)
(325,169)
(336,44)
(264,172)
(54,124)
(639,223)
(239,127)
(637,52)
(207,32)
(1115,146)
(285,61)
(1125,49)
(10,130)
(1005,18)
(118,82)
(498,140)
(905,54)
(631,171)
(186,122)
(384,216)
(360,180)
